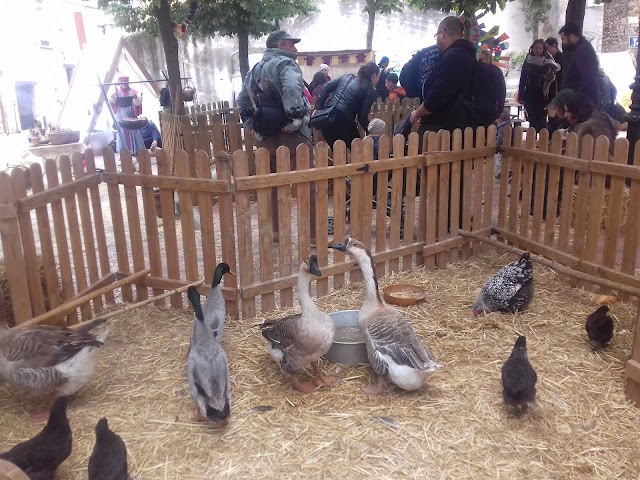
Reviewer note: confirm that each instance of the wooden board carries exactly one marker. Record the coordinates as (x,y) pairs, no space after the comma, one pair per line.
(265,233)
(62,244)
(151,225)
(46,243)
(36,294)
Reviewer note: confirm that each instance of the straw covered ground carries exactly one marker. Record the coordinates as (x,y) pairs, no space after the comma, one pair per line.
(581,426)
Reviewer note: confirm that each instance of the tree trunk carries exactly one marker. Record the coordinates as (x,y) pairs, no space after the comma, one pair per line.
(575,12)
(468,15)
(170,46)
(371,10)
(243,49)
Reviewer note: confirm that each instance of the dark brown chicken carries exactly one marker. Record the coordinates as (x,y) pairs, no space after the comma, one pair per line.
(600,327)
(41,456)
(519,378)
(109,457)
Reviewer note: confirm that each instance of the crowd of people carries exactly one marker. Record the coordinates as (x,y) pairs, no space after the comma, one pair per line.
(457,88)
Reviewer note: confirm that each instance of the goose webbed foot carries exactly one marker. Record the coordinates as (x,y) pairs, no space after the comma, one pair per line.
(303,387)
(375,389)
(321,379)
(43,415)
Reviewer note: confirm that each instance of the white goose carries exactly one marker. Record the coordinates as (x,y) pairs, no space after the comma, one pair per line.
(393,347)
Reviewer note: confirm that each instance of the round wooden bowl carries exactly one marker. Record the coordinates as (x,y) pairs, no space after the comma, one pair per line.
(8,471)
(134,124)
(404,295)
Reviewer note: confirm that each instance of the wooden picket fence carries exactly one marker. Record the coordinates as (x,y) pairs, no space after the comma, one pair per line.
(86,239)
(218,127)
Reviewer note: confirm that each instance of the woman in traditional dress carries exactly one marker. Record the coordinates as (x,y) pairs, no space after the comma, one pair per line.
(126,138)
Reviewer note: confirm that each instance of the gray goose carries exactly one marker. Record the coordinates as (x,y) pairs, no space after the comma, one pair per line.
(299,340)
(44,359)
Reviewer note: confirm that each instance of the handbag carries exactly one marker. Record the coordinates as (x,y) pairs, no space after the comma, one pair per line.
(323,118)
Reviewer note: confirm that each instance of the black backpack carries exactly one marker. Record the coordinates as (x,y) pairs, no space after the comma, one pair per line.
(410,75)
(486,94)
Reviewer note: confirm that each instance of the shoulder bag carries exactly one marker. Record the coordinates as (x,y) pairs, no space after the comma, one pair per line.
(325,118)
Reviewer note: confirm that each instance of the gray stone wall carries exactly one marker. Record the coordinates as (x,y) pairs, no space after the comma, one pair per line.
(615,28)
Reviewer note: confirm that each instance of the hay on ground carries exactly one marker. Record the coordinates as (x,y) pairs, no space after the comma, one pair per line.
(581,426)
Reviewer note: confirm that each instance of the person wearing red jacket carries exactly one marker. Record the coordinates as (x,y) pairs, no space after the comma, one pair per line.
(396,92)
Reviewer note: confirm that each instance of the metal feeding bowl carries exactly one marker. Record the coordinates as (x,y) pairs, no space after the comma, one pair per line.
(348,345)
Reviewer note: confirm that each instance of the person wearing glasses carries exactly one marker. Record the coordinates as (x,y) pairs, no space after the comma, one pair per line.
(443,107)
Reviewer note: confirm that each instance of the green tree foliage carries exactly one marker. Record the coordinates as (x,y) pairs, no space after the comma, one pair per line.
(231,18)
(467,8)
(244,18)
(384,7)
(535,13)
(156,18)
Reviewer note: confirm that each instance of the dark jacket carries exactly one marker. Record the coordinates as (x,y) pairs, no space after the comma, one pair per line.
(380,87)
(580,73)
(558,58)
(151,133)
(279,76)
(351,96)
(416,73)
(451,76)
(531,90)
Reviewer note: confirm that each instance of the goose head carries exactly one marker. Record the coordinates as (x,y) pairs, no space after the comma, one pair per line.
(355,248)
(310,265)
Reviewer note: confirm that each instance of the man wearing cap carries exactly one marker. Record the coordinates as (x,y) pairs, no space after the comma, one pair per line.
(275,110)
(127,110)
(381,90)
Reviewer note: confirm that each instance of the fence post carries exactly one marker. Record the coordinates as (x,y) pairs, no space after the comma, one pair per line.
(13,254)
(245,242)
(633,364)
(227,242)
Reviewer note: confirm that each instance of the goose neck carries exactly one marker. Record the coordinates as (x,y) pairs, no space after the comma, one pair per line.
(304,290)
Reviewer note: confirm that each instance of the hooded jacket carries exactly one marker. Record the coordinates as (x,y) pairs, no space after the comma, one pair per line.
(280,78)
(449,79)
(351,96)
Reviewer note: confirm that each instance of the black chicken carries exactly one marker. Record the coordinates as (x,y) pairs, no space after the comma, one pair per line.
(600,327)
(509,290)
(41,456)
(518,377)
(109,457)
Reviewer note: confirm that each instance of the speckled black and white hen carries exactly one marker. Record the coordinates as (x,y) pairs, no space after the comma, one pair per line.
(600,327)
(518,377)
(509,290)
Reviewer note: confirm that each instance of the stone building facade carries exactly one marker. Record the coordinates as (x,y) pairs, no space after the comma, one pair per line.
(620,22)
